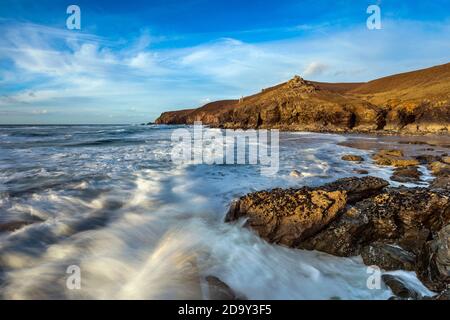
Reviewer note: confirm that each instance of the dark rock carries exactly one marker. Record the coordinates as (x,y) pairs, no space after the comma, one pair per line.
(434,261)
(445,295)
(219,290)
(358,188)
(427,158)
(406,174)
(344,237)
(388,257)
(441,182)
(406,216)
(399,288)
(401,216)
(352,157)
(288,216)
(13,225)
(361,171)
(395,228)
(413,142)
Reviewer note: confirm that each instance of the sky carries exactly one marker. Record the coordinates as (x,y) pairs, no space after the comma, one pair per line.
(132,60)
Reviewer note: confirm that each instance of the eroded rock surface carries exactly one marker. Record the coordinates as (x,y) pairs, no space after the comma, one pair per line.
(288,216)
(434,261)
(394,228)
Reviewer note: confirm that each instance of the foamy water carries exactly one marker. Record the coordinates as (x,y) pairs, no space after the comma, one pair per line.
(109,200)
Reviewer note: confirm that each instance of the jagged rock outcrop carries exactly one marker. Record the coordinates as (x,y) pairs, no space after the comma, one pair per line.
(394,228)
(288,216)
(388,256)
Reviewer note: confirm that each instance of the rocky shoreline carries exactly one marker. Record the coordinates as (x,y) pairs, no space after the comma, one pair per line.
(412,103)
(394,228)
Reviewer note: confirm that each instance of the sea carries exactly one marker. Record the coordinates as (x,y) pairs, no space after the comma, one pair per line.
(108,204)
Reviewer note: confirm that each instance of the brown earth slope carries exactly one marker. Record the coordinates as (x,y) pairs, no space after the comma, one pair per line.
(412,102)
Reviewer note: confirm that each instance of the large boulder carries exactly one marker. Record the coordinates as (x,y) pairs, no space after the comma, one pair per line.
(405,216)
(393,228)
(291,216)
(288,216)
(400,216)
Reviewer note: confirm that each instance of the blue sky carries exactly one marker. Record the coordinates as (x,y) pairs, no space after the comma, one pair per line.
(132,60)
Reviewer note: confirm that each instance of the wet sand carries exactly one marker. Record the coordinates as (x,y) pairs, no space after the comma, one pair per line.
(412,146)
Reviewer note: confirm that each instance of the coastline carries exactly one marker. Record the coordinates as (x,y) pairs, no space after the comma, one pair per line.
(388,226)
(127,205)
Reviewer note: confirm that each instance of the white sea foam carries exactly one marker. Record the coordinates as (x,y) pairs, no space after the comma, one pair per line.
(141,228)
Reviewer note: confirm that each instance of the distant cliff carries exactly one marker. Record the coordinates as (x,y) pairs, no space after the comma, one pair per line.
(412,102)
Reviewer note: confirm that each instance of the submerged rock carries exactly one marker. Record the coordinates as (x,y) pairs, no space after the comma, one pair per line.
(399,288)
(219,290)
(406,174)
(352,157)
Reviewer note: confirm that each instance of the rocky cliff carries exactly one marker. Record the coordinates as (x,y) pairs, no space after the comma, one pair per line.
(413,102)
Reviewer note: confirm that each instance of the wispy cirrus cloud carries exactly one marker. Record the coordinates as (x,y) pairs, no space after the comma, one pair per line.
(65,72)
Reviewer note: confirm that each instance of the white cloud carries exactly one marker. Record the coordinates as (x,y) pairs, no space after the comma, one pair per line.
(64,70)
(314,69)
